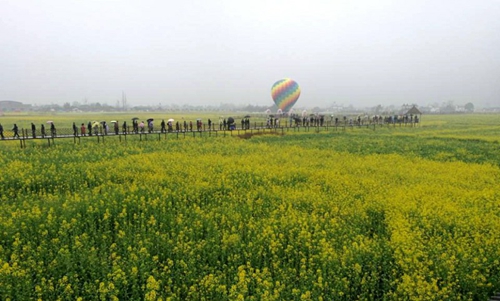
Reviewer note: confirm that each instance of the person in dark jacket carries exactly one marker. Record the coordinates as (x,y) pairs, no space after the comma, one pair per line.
(89,128)
(52,129)
(15,129)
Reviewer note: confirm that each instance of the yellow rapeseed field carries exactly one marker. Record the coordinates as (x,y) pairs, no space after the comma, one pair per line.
(386,214)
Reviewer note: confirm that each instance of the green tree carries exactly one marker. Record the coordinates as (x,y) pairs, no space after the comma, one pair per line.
(67,106)
(469,107)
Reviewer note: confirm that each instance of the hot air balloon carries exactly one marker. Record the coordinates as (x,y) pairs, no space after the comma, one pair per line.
(285,93)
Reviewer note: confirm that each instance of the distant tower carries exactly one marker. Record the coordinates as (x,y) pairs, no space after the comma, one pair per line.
(124,100)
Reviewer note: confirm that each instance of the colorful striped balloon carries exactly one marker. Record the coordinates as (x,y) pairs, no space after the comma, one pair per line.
(285,93)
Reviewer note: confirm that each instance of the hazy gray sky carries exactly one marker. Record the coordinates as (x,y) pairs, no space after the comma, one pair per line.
(365,52)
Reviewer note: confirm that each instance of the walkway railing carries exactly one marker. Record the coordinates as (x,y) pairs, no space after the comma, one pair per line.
(213,130)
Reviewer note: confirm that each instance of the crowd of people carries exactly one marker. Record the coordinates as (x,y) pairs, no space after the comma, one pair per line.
(15,131)
(103,127)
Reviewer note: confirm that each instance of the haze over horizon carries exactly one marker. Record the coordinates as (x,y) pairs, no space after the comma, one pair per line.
(363,53)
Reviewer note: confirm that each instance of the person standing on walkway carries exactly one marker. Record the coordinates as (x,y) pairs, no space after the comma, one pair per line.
(83,129)
(33,130)
(75,130)
(1,132)
(136,126)
(52,129)
(16,131)
(117,128)
(89,128)
(43,130)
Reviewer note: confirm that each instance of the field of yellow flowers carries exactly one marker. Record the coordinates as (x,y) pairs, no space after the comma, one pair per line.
(390,214)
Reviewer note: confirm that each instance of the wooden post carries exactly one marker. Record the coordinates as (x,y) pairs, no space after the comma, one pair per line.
(21,139)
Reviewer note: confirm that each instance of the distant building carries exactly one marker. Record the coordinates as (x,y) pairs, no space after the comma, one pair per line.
(413,111)
(12,106)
